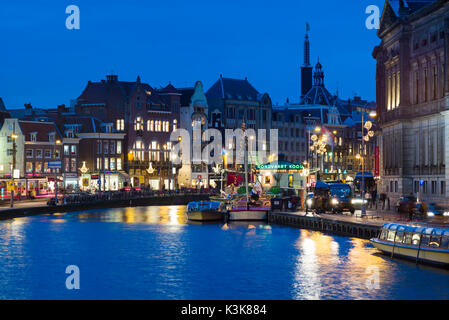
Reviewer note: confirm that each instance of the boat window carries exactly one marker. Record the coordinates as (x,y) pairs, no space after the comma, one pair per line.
(399,237)
(383,235)
(425,240)
(415,239)
(444,242)
(408,238)
(391,235)
(434,241)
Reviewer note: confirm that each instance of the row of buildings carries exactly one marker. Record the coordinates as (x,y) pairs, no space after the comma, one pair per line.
(117,133)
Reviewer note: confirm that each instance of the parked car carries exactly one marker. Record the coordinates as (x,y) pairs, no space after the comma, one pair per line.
(431,210)
(406,204)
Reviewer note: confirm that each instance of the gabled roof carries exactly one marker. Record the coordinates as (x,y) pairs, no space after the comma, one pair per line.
(234,89)
(186,95)
(42,130)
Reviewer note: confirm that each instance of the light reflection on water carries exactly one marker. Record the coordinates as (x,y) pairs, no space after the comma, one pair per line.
(155,253)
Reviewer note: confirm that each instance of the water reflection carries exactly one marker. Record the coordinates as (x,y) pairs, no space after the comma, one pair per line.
(321,263)
(155,253)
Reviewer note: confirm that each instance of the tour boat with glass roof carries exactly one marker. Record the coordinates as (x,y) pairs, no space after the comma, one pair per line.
(419,242)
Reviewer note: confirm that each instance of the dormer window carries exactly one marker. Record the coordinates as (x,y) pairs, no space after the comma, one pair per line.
(70,133)
(33,136)
(51,137)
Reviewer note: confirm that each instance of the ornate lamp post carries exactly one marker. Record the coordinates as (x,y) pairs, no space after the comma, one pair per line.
(368,125)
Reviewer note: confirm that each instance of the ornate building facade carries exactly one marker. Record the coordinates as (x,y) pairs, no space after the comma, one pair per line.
(413,98)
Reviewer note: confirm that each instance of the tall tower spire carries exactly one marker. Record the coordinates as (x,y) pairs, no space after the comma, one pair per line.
(307,46)
(306,68)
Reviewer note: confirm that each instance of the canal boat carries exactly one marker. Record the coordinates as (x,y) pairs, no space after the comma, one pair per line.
(205,211)
(419,242)
(255,211)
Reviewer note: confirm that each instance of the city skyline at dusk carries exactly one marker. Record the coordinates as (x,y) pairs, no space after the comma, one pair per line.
(181,43)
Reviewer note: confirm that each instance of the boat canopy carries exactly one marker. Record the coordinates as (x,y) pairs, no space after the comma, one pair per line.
(203,205)
(417,229)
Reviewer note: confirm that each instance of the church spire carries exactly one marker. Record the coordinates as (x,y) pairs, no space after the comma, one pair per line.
(307,46)
(306,68)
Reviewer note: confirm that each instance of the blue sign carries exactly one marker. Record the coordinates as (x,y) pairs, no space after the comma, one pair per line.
(56,164)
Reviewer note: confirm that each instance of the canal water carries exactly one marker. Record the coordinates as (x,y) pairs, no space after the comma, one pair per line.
(154,253)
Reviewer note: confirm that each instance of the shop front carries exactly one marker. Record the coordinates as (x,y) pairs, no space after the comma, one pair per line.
(284,175)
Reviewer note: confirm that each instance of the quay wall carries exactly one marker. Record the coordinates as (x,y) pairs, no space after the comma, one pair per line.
(335,226)
(103,204)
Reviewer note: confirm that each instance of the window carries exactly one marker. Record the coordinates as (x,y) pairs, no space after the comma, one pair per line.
(175,124)
(73,165)
(150,125)
(120,124)
(138,150)
(415,239)
(46,169)
(67,165)
(98,163)
(73,149)
(106,147)
(154,151)
(119,147)
(57,154)
(443,187)
(383,235)
(425,240)
(408,238)
(98,147)
(434,241)
(391,235)
(399,237)
(111,147)
(138,124)
(47,154)
(119,164)
(33,136)
(112,164)
(38,167)
(51,137)
(29,153)
(434,187)
(444,242)
(29,167)
(106,163)
(66,150)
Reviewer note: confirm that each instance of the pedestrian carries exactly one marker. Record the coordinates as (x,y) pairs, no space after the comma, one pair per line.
(368,198)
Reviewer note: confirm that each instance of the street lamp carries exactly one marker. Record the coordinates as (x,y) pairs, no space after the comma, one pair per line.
(57,142)
(13,165)
(368,125)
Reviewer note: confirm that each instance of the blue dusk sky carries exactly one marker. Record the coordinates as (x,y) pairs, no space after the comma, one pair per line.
(179,41)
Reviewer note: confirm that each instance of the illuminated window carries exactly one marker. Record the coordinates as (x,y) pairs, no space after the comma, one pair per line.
(154,151)
(138,124)
(138,150)
(175,124)
(150,125)
(120,125)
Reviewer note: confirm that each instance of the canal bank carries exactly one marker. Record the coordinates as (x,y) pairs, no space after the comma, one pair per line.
(182,199)
(340,225)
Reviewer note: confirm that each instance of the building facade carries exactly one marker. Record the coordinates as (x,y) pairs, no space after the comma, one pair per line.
(413,99)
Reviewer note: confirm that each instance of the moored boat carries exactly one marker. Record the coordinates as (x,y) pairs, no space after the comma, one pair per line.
(205,211)
(422,243)
(251,214)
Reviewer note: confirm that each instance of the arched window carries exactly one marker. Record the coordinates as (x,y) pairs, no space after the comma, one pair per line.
(138,150)
(138,124)
(166,150)
(155,151)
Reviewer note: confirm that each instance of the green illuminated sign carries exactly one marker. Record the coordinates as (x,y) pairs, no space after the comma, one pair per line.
(280,166)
